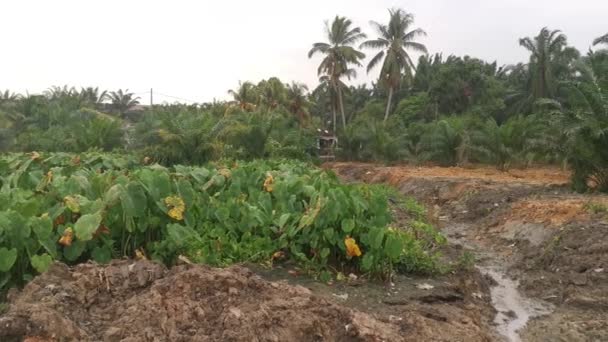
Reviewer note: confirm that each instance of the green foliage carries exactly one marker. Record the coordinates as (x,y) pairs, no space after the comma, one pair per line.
(73,208)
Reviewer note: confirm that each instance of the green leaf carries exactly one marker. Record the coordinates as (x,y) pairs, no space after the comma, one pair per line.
(7,258)
(102,255)
(74,251)
(41,263)
(393,247)
(283,220)
(42,227)
(87,225)
(329,234)
(324,253)
(134,201)
(376,237)
(348,225)
(367,262)
(112,196)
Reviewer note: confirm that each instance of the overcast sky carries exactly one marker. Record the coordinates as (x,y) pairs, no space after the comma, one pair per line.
(198,50)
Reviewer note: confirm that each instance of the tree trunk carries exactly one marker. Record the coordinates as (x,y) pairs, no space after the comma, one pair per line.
(388,104)
(333,116)
(341,104)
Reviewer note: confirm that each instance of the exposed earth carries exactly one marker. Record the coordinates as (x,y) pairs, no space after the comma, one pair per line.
(541,275)
(545,246)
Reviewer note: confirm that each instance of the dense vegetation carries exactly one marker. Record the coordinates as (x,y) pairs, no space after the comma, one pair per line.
(446,110)
(99,206)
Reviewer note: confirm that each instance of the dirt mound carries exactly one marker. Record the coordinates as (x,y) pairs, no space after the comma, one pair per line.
(395,174)
(143,301)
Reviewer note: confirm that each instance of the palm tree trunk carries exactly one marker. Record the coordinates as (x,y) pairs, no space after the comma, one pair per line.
(341,104)
(333,116)
(388,104)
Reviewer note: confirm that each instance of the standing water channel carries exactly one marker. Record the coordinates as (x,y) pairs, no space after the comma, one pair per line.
(514,310)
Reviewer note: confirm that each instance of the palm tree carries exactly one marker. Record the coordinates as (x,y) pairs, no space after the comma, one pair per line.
(298,104)
(339,55)
(246,96)
(57,92)
(545,49)
(122,101)
(394,41)
(601,40)
(8,97)
(92,97)
(272,92)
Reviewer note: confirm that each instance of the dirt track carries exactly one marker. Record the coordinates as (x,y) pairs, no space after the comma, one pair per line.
(546,242)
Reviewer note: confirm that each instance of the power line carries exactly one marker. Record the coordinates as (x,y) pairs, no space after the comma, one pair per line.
(177,97)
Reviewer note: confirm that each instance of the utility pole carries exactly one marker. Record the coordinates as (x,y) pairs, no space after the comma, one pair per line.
(151,98)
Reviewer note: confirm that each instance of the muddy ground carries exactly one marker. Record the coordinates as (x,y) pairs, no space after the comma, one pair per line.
(545,246)
(541,275)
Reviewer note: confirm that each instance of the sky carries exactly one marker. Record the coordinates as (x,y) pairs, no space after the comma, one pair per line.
(197,50)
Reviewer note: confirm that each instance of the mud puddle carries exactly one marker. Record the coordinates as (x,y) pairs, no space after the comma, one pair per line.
(513,310)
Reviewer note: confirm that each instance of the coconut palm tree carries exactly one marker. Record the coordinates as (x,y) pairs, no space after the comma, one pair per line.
(339,56)
(297,101)
(122,101)
(545,49)
(601,40)
(246,96)
(394,41)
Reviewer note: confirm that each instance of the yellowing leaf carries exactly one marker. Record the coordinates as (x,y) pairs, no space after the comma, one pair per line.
(140,255)
(225,172)
(268,182)
(176,207)
(352,249)
(67,237)
(72,204)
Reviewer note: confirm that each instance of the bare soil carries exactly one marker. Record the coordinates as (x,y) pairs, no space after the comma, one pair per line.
(528,223)
(143,301)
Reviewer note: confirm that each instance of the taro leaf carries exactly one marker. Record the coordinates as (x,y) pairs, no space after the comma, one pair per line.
(7,258)
(367,262)
(329,234)
(200,175)
(112,196)
(348,225)
(184,188)
(41,263)
(393,246)
(376,237)
(134,201)
(324,253)
(42,227)
(87,225)
(73,251)
(181,234)
(102,255)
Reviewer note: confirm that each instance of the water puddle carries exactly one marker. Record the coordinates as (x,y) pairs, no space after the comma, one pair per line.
(514,310)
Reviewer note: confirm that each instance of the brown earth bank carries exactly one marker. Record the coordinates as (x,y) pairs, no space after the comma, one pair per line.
(143,301)
(552,241)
